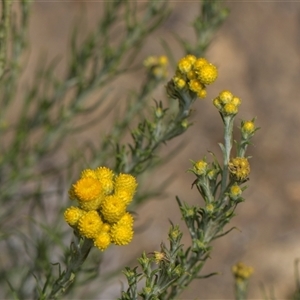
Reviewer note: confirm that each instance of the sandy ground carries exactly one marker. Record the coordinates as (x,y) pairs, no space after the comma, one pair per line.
(257,53)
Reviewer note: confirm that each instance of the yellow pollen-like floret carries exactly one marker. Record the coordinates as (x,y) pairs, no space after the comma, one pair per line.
(241,271)
(184,65)
(121,235)
(230,109)
(195,85)
(202,94)
(200,167)
(225,97)
(235,191)
(87,189)
(248,127)
(208,74)
(217,103)
(102,240)
(126,220)
(191,58)
(199,63)
(72,215)
(209,207)
(236,101)
(125,182)
(105,176)
(88,173)
(89,225)
(125,196)
(112,209)
(179,82)
(105,227)
(163,60)
(239,167)
(191,75)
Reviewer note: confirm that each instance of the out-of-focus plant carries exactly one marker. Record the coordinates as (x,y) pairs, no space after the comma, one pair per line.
(39,120)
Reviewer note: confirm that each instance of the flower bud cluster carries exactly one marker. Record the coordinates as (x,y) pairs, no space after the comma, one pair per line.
(157,66)
(194,74)
(227,103)
(102,199)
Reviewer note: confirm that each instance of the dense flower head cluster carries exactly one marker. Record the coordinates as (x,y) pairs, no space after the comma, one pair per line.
(194,74)
(227,103)
(157,66)
(101,214)
(239,168)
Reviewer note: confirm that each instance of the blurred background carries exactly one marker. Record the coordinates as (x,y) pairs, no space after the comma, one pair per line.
(257,51)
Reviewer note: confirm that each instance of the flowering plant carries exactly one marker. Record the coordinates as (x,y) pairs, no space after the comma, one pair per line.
(81,199)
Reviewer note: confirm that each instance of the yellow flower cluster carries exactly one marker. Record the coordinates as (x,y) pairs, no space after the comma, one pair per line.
(101,214)
(157,66)
(241,271)
(239,167)
(194,74)
(227,103)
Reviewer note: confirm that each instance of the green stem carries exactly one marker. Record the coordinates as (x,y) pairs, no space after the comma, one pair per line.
(79,253)
(228,122)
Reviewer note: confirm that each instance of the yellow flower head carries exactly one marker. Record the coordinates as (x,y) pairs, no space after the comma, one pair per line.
(210,208)
(159,256)
(72,215)
(195,85)
(125,182)
(191,58)
(225,97)
(200,167)
(235,191)
(230,109)
(241,271)
(88,173)
(179,82)
(163,60)
(202,94)
(112,209)
(199,63)
(248,127)
(126,220)
(102,240)
(236,101)
(105,176)
(89,225)
(120,234)
(184,65)
(87,189)
(239,168)
(208,74)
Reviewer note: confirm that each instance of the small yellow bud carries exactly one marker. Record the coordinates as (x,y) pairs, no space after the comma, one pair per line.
(235,191)
(236,101)
(200,167)
(202,94)
(179,82)
(241,271)
(225,97)
(184,65)
(248,127)
(230,109)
